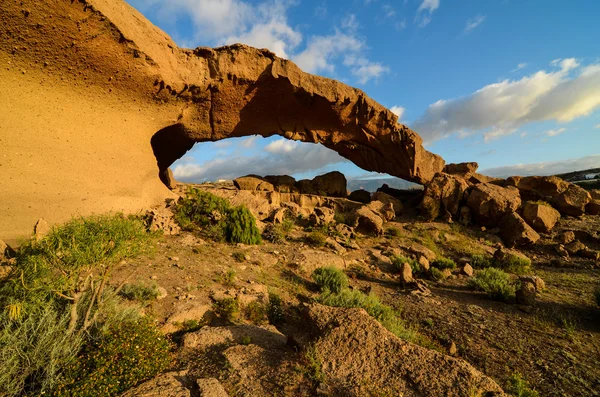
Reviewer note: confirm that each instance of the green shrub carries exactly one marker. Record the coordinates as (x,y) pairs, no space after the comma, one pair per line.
(239,256)
(255,312)
(480,262)
(398,261)
(382,313)
(393,232)
(444,263)
(275,312)
(200,209)
(228,278)
(519,387)
(330,279)
(436,274)
(316,238)
(515,264)
(274,234)
(240,227)
(140,292)
(495,282)
(287,225)
(227,309)
(122,357)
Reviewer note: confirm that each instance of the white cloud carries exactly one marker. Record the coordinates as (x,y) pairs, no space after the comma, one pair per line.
(546,168)
(350,22)
(472,23)
(520,66)
(597,126)
(499,109)
(401,25)
(275,35)
(363,69)
(398,111)
(281,157)
(555,132)
(388,11)
(425,11)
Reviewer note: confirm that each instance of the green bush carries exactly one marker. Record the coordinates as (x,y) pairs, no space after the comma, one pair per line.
(495,282)
(227,309)
(444,263)
(398,261)
(519,387)
(481,261)
(316,238)
(330,279)
(515,264)
(123,356)
(382,313)
(287,225)
(436,274)
(275,311)
(255,312)
(140,292)
(240,227)
(228,278)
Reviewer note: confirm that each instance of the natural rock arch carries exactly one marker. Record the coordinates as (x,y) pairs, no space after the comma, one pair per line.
(103,80)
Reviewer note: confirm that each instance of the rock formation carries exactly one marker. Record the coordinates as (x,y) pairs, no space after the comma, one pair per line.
(95,97)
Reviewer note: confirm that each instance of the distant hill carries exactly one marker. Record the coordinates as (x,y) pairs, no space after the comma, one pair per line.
(592,173)
(371,185)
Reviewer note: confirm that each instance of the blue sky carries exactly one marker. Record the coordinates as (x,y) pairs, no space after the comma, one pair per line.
(511,84)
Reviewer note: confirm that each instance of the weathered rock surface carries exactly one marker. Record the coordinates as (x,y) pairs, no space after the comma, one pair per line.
(133,102)
(516,232)
(541,217)
(526,294)
(462,169)
(170,384)
(361,196)
(401,368)
(211,387)
(573,201)
(490,203)
(593,207)
(282,183)
(443,194)
(253,182)
(388,199)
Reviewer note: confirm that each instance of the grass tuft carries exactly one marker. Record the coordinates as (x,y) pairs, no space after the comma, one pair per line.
(316,238)
(330,279)
(519,387)
(398,261)
(444,263)
(140,292)
(495,282)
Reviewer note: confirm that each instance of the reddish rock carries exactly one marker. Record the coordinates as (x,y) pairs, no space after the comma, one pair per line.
(332,184)
(462,169)
(572,201)
(443,194)
(282,183)
(516,232)
(385,211)
(593,207)
(406,275)
(467,270)
(490,203)
(566,237)
(541,217)
(253,182)
(368,222)
(526,294)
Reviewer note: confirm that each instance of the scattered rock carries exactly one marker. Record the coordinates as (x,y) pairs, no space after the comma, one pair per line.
(593,207)
(211,387)
(589,254)
(418,250)
(516,232)
(253,182)
(162,219)
(452,350)
(490,203)
(539,284)
(464,170)
(575,247)
(385,211)
(541,217)
(321,216)
(334,245)
(467,270)
(361,196)
(41,229)
(526,294)
(6,252)
(424,262)
(406,276)
(572,201)
(187,310)
(560,249)
(162,293)
(566,237)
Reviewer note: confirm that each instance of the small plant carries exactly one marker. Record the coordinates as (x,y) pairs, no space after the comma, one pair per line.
(275,312)
(313,365)
(495,282)
(239,256)
(140,292)
(190,325)
(275,234)
(316,238)
(256,313)
(228,278)
(444,263)
(436,274)
(246,340)
(339,217)
(393,232)
(123,356)
(428,322)
(287,225)
(241,227)
(227,309)
(519,387)
(515,264)
(330,279)
(480,262)
(415,266)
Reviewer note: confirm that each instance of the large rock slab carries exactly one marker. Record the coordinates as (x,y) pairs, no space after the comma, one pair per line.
(400,368)
(542,217)
(516,232)
(132,102)
(490,203)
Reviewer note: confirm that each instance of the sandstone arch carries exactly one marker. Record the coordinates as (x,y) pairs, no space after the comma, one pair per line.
(105,80)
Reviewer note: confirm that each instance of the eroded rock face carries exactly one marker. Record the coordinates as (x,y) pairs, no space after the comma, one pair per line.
(444,195)
(131,98)
(490,203)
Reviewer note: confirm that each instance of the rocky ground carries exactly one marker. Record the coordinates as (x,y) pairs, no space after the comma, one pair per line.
(473,344)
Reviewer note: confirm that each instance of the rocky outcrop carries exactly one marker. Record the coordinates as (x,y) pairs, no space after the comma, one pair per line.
(573,201)
(593,207)
(516,232)
(401,368)
(443,194)
(462,169)
(133,102)
(361,196)
(332,184)
(282,183)
(490,203)
(387,199)
(542,217)
(253,182)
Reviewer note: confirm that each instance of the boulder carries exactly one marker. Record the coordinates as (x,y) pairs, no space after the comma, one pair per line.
(566,237)
(171,384)
(490,203)
(467,270)
(385,211)
(388,199)
(526,294)
(211,387)
(593,207)
(321,216)
(367,221)
(253,182)
(424,262)
(476,178)
(282,183)
(573,201)
(361,196)
(516,232)
(41,229)
(332,184)
(542,217)
(443,194)
(406,275)
(575,247)
(539,284)
(462,169)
